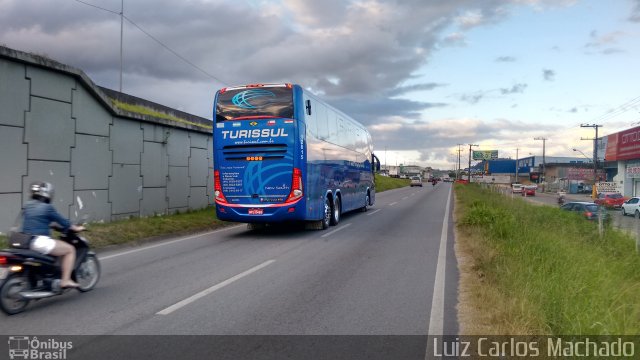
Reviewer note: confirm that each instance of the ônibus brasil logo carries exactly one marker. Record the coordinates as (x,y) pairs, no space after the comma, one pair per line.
(32,348)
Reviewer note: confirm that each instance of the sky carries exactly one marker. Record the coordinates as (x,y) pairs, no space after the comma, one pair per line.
(422,75)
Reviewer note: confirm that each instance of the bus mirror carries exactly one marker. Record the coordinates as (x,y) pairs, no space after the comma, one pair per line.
(375,163)
(308,107)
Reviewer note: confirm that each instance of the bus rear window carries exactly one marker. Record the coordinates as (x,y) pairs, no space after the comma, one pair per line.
(252,102)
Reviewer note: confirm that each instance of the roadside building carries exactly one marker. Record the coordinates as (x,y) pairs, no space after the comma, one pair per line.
(622,160)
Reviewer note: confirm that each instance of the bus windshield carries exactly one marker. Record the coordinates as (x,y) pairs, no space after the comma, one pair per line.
(255,102)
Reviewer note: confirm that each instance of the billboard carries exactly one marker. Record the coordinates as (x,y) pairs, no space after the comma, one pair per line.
(485,154)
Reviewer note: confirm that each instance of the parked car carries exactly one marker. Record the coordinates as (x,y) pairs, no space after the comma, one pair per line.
(529,190)
(589,210)
(516,188)
(416,181)
(631,207)
(610,200)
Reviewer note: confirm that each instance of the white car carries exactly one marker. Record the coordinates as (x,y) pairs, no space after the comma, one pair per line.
(416,181)
(631,207)
(516,188)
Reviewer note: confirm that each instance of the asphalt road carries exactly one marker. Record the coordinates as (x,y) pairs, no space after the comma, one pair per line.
(381,272)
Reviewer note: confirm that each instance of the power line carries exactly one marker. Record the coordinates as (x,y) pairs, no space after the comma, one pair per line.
(98,7)
(620,109)
(175,53)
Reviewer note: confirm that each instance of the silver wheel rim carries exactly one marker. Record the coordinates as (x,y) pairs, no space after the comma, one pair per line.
(327,212)
(87,273)
(13,301)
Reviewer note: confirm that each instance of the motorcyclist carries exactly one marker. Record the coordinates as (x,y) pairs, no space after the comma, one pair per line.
(561,197)
(38,214)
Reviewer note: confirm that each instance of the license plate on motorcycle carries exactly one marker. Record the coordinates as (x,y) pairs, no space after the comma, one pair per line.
(256,211)
(3,272)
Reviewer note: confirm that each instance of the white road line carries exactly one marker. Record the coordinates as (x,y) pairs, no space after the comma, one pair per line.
(436,320)
(336,230)
(393,203)
(101,258)
(208,291)
(373,212)
(405,198)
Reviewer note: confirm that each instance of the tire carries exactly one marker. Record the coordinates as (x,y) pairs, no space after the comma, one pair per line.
(88,273)
(637,214)
(624,213)
(335,213)
(10,301)
(326,219)
(365,208)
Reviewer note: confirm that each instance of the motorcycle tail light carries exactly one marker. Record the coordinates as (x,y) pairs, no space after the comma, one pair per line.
(3,260)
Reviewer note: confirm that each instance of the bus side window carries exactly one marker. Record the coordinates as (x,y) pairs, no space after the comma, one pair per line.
(311,120)
(321,120)
(332,124)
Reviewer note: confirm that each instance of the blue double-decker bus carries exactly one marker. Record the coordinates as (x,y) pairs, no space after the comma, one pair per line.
(281,154)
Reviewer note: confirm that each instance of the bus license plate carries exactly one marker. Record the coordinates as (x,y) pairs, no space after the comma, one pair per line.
(256,211)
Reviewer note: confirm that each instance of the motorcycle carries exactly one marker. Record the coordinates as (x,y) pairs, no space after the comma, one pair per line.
(561,198)
(27,275)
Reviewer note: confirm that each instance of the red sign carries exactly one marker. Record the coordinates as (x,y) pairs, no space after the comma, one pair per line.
(628,144)
(611,153)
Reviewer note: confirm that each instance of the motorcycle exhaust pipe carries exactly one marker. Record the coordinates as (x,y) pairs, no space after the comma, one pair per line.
(33,295)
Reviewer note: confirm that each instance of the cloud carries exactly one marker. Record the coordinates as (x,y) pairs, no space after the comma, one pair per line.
(505,59)
(412,88)
(604,44)
(548,74)
(635,14)
(515,89)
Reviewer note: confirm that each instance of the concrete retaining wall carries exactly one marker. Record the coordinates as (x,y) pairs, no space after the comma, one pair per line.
(107,163)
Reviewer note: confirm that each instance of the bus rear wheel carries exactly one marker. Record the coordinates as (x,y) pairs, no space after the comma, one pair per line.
(326,219)
(335,214)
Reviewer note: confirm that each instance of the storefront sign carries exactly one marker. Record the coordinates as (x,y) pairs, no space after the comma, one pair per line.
(633,171)
(607,187)
(627,145)
(579,174)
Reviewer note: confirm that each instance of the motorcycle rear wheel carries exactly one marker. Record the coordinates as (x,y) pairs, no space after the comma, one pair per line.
(11,302)
(88,273)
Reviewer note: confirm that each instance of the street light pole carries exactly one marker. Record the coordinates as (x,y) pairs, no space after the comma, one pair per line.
(544,160)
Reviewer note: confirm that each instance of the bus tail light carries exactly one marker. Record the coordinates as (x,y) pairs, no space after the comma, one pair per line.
(217,187)
(296,186)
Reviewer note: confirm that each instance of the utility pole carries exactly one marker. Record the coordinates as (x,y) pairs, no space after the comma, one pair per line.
(121,35)
(595,155)
(469,172)
(544,159)
(459,151)
(517,165)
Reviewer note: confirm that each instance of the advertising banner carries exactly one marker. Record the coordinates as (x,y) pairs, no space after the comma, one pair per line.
(577,173)
(607,187)
(485,154)
(611,154)
(628,144)
(633,171)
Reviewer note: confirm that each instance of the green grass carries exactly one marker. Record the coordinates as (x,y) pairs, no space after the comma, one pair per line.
(384,183)
(138,109)
(549,270)
(138,229)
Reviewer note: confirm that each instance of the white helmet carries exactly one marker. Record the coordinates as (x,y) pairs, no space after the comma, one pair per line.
(43,190)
